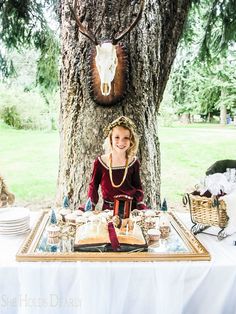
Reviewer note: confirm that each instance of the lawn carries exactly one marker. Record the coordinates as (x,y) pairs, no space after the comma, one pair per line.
(29,159)
(29,162)
(186,153)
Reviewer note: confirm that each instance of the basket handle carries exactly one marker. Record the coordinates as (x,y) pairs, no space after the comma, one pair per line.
(215,202)
(186,199)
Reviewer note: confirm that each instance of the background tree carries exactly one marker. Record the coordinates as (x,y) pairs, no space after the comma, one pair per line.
(202,77)
(25,24)
(29,55)
(206,90)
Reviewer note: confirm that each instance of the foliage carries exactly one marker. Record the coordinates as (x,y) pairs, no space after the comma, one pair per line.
(25,24)
(220,31)
(11,116)
(183,89)
(26,109)
(20,21)
(47,65)
(6,67)
(202,79)
(212,25)
(35,107)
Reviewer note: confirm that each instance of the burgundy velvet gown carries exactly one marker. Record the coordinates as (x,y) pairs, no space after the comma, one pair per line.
(132,185)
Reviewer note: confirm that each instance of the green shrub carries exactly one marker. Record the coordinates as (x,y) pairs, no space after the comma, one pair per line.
(28,109)
(11,116)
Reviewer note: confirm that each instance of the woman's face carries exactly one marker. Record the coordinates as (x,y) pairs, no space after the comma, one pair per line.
(120,139)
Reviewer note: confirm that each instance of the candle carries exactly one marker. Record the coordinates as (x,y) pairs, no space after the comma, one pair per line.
(127,229)
(135,226)
(98,226)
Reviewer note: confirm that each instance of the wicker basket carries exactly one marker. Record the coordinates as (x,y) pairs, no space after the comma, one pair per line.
(206,212)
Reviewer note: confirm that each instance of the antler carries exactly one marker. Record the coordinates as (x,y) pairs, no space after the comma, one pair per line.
(128,29)
(82,29)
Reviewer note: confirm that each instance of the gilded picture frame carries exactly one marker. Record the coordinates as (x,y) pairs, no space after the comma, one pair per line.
(193,250)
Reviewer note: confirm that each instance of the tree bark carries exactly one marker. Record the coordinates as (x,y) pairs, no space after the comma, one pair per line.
(186,118)
(223,115)
(223,109)
(152,47)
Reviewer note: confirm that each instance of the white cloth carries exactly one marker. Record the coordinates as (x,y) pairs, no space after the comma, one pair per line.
(230,201)
(216,183)
(120,287)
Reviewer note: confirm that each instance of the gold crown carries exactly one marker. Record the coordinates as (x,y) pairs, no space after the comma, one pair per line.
(121,121)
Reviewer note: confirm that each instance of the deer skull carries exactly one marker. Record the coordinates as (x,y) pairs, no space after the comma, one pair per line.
(106,62)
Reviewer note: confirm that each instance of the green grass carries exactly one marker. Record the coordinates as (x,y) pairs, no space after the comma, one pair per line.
(29,162)
(187,152)
(29,159)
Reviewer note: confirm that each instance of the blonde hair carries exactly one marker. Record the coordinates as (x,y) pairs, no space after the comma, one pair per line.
(127,124)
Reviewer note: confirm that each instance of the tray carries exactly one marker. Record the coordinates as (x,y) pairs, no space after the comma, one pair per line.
(181,245)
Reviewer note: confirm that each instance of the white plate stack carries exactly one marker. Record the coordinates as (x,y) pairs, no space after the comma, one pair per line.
(14,221)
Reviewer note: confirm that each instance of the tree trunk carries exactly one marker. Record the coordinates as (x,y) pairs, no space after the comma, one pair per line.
(223,109)
(152,47)
(223,114)
(186,118)
(208,117)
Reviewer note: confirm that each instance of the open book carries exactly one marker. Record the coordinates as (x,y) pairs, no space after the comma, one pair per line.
(95,237)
